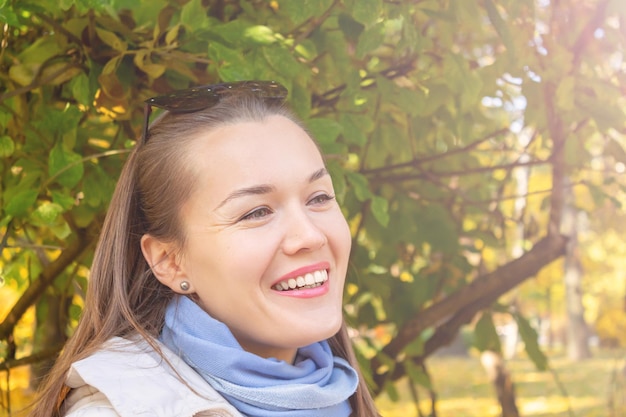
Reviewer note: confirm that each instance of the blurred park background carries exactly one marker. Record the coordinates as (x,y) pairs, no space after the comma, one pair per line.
(477,149)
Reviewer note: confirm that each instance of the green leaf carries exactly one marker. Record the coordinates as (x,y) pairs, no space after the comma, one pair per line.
(7,147)
(8,16)
(324,130)
(231,32)
(19,204)
(616,150)
(485,334)
(350,27)
(392,391)
(81,90)
(62,199)
(260,34)
(282,61)
(417,375)
(380,210)
(296,10)
(299,11)
(301,100)
(232,66)
(414,348)
(61,230)
(47,213)
(370,40)
(354,128)
(411,101)
(339,179)
(65,167)
(531,343)
(500,25)
(360,185)
(367,11)
(438,228)
(193,15)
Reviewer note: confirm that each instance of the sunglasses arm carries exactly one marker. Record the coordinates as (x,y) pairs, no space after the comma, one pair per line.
(147,110)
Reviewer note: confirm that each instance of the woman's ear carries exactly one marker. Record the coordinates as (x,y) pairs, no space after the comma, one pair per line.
(164,263)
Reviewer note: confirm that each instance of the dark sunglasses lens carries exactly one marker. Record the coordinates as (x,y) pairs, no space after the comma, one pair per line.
(198,98)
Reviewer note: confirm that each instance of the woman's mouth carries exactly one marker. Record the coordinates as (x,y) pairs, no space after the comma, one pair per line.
(306,281)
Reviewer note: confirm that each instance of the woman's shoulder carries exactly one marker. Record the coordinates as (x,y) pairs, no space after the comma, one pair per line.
(129,377)
(87,401)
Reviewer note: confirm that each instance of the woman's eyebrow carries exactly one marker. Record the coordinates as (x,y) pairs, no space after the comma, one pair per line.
(242,192)
(318,174)
(266,188)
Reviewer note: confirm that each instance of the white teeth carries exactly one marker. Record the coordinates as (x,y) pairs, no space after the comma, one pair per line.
(309,280)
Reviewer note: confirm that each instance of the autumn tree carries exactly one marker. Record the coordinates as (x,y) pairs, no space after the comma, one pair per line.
(418,105)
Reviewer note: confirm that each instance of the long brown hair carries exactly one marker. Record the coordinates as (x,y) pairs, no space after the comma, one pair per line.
(123,297)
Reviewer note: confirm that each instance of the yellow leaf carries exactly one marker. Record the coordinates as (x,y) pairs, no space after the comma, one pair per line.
(23,74)
(111,66)
(60,76)
(172,35)
(112,40)
(143,62)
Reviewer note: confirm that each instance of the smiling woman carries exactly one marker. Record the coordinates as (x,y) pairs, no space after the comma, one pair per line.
(217,283)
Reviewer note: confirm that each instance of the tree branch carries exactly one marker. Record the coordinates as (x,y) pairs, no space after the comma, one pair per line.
(82,243)
(31,359)
(429,174)
(471,298)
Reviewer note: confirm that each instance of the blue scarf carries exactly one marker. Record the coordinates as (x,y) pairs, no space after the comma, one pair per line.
(317,384)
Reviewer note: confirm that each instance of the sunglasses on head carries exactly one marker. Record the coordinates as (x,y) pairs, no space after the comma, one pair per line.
(200,98)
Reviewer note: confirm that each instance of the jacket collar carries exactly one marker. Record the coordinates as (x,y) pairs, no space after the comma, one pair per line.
(136,380)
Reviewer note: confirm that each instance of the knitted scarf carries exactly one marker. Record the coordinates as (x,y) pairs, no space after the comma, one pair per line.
(316,384)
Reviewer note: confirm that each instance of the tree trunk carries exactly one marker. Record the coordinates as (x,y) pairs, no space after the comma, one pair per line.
(52,313)
(577,330)
(501,379)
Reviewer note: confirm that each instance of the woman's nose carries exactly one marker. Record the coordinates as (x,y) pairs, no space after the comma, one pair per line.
(302,232)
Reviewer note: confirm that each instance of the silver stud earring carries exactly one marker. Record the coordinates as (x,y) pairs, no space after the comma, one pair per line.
(184,285)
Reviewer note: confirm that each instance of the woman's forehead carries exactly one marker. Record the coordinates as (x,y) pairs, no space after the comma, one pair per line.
(273,139)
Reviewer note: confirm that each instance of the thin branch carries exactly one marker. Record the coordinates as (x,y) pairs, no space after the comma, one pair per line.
(330,96)
(60,29)
(430,158)
(586,35)
(85,159)
(5,237)
(38,82)
(316,22)
(440,174)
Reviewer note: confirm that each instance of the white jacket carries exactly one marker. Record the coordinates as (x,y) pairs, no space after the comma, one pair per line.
(129,379)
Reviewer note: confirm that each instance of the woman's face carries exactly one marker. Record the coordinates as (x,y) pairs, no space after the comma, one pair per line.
(263,220)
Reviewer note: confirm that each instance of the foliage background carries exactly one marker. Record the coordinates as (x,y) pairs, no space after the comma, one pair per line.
(457,133)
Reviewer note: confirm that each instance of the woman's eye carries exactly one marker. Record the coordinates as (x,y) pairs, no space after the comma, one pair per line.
(257,214)
(321,199)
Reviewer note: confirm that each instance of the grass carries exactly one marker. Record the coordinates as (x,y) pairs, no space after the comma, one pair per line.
(464,391)
(570,389)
